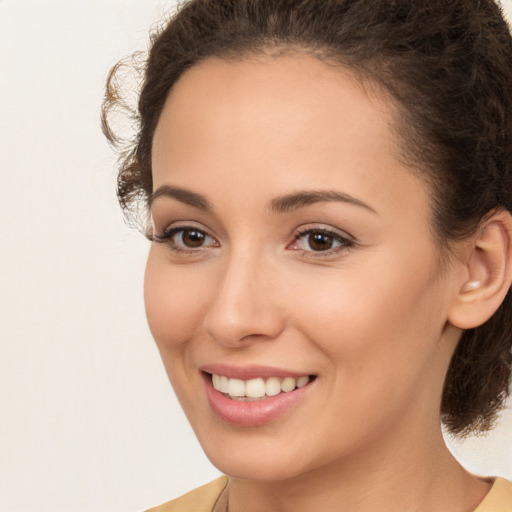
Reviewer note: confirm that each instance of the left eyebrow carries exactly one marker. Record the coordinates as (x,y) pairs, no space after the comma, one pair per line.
(182,195)
(300,199)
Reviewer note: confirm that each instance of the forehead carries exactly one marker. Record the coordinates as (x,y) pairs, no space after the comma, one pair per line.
(276,123)
(301,97)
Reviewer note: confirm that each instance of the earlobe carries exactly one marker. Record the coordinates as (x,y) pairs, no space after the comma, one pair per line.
(471,285)
(488,272)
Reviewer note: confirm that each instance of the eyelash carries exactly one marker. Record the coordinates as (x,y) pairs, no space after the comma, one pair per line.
(345,242)
(168,235)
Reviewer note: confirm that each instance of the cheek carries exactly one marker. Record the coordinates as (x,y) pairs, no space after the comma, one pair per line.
(174,301)
(379,342)
(372,322)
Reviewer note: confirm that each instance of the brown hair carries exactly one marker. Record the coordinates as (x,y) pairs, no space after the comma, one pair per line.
(448,66)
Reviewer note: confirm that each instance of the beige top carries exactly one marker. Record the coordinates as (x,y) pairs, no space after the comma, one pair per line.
(211,498)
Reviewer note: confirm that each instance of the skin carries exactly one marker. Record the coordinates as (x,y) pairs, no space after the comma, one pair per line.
(369,320)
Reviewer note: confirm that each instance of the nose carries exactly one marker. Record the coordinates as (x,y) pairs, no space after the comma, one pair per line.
(244,306)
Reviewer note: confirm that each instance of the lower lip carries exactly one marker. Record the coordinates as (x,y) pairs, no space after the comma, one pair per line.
(252,414)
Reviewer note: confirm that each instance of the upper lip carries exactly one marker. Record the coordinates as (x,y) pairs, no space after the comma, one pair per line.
(249,372)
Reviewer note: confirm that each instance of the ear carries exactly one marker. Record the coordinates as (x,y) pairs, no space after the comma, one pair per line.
(488,273)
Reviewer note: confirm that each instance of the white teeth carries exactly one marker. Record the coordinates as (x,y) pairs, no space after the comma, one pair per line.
(302,381)
(273,386)
(236,387)
(288,384)
(223,384)
(257,388)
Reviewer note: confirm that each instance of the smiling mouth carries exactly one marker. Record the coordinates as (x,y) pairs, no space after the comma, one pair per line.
(257,389)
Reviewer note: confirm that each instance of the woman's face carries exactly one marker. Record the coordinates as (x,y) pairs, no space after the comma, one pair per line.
(295,248)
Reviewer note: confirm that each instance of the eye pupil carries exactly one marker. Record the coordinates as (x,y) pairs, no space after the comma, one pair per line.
(192,238)
(320,241)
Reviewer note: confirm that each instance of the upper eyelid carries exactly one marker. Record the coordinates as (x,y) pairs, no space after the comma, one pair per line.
(322,230)
(337,236)
(165,234)
(186,225)
(177,229)
(326,229)
(347,243)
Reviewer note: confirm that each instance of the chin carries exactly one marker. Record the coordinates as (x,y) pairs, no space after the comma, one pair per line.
(271,469)
(264,457)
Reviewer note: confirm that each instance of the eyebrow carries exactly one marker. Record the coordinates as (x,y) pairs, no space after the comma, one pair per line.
(281,204)
(296,200)
(182,195)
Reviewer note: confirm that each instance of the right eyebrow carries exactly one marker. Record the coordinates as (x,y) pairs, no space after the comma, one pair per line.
(302,198)
(182,195)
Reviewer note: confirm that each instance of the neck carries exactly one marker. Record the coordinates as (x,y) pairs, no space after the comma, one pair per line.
(419,476)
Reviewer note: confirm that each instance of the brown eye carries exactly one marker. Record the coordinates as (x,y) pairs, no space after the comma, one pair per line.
(192,238)
(185,238)
(321,240)
(318,241)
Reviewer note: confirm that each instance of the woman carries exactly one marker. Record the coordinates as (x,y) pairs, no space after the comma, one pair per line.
(329,191)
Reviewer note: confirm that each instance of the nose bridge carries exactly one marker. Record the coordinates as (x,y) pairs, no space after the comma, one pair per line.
(244,304)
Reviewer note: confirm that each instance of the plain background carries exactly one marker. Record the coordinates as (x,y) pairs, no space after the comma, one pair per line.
(88,421)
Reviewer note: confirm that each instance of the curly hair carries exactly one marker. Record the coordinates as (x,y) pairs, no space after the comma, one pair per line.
(447,64)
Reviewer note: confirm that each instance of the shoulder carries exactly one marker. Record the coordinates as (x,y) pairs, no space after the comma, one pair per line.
(201,499)
(499,498)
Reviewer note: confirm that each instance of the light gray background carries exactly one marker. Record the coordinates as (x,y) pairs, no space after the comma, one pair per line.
(88,421)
